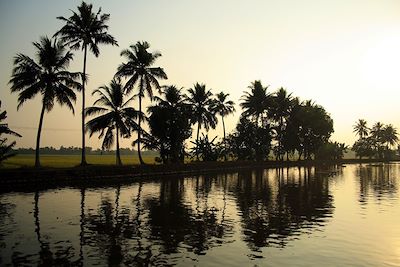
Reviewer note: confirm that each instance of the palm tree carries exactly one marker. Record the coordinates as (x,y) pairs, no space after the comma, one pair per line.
(115,115)
(361,129)
(390,136)
(202,113)
(5,150)
(257,101)
(85,29)
(282,102)
(223,107)
(48,76)
(140,70)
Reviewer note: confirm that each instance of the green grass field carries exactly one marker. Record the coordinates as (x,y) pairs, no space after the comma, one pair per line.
(60,161)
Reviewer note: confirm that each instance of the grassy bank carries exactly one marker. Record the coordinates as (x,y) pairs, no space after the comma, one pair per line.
(67,161)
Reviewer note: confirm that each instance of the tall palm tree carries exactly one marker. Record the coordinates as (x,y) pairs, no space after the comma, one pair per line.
(223,107)
(48,76)
(202,112)
(139,68)
(361,129)
(256,102)
(390,136)
(85,29)
(115,115)
(282,102)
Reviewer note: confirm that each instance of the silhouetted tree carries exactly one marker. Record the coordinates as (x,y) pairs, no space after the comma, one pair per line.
(202,113)
(169,123)
(6,149)
(223,107)
(257,103)
(139,68)
(85,29)
(281,106)
(48,76)
(115,115)
(250,141)
(361,129)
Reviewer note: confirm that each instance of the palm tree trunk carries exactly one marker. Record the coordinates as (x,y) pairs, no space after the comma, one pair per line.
(37,158)
(83,158)
(223,126)
(197,140)
(118,157)
(140,128)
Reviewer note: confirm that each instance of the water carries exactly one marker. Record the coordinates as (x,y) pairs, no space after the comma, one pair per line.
(342,216)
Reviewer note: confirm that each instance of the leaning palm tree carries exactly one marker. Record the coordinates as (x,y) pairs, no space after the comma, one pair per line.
(256,102)
(85,29)
(6,149)
(140,70)
(202,112)
(223,107)
(115,115)
(48,77)
(361,129)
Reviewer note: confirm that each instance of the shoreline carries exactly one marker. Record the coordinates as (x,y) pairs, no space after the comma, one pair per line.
(15,179)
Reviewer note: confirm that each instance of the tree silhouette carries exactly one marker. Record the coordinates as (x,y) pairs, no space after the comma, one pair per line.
(115,115)
(139,68)
(48,76)
(361,129)
(257,102)
(5,150)
(169,124)
(390,136)
(281,106)
(85,29)
(201,101)
(223,107)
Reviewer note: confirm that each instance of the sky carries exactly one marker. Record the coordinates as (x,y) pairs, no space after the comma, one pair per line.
(342,54)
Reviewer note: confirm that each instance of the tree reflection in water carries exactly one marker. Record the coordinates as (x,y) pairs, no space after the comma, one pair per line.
(379,180)
(274,214)
(163,222)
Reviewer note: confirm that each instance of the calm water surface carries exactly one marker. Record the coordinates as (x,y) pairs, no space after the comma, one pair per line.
(343,216)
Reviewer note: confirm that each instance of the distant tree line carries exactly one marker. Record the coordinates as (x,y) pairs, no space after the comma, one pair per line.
(272,123)
(377,142)
(72,150)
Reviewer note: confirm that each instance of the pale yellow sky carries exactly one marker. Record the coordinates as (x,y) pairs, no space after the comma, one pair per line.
(343,54)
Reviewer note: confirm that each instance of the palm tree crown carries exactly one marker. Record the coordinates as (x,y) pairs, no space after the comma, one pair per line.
(114,115)
(139,68)
(257,101)
(361,129)
(390,135)
(85,29)
(47,76)
(202,107)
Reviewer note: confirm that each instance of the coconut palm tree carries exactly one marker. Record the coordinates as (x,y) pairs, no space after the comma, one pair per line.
(281,106)
(223,107)
(256,102)
(139,68)
(390,136)
(115,115)
(361,129)
(85,30)
(202,112)
(47,76)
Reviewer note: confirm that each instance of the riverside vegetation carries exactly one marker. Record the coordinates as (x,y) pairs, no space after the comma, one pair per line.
(273,124)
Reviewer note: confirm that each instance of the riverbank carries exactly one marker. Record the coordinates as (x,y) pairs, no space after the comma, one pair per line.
(103,174)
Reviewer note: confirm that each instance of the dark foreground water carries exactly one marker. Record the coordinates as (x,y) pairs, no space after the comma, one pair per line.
(346,216)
